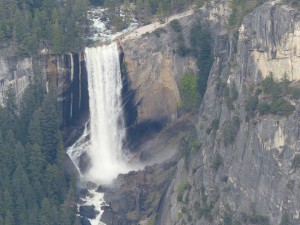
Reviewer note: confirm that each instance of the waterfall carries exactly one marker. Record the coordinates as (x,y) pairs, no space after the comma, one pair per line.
(103,141)
(107,122)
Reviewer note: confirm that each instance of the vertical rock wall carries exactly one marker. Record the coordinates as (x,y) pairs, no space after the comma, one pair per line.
(66,73)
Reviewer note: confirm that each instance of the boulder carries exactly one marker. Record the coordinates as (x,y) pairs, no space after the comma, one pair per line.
(102,189)
(91,186)
(85,221)
(83,193)
(87,211)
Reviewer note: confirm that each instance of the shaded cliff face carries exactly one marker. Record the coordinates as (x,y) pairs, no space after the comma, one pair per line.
(66,73)
(15,71)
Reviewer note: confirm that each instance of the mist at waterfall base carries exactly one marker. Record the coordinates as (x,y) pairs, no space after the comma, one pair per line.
(107,128)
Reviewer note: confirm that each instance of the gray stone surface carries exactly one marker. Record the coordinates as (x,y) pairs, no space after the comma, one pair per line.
(256,174)
(259,162)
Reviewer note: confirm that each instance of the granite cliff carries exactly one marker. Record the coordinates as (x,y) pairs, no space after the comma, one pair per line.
(66,73)
(200,177)
(253,179)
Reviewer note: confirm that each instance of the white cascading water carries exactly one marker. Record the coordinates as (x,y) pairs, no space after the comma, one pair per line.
(107,122)
(103,142)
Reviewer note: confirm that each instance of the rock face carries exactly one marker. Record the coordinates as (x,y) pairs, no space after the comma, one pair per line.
(14,71)
(252,180)
(66,72)
(87,211)
(136,195)
(272,36)
(153,71)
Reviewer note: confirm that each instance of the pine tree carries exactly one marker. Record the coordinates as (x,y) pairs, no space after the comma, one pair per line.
(55,183)
(1,219)
(139,9)
(127,11)
(160,12)
(35,130)
(10,107)
(147,12)
(32,217)
(285,83)
(49,127)
(9,154)
(19,208)
(36,29)
(57,38)
(9,220)
(7,198)
(27,108)
(37,163)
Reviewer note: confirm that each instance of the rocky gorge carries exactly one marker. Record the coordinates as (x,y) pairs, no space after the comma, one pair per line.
(193,175)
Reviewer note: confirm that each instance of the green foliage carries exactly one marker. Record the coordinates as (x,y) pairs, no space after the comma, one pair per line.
(185,149)
(263,108)
(34,25)
(251,104)
(230,130)
(224,179)
(181,188)
(294,92)
(189,144)
(144,10)
(271,86)
(215,125)
(217,161)
(259,219)
(182,49)
(176,26)
(10,109)
(152,220)
(285,220)
(296,162)
(35,189)
(49,127)
(273,100)
(205,208)
(254,218)
(200,38)
(196,145)
(159,31)
(227,217)
(239,9)
(190,97)
(282,107)
(293,3)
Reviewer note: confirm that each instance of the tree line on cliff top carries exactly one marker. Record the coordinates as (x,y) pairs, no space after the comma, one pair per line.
(38,24)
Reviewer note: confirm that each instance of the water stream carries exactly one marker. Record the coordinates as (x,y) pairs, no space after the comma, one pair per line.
(103,139)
